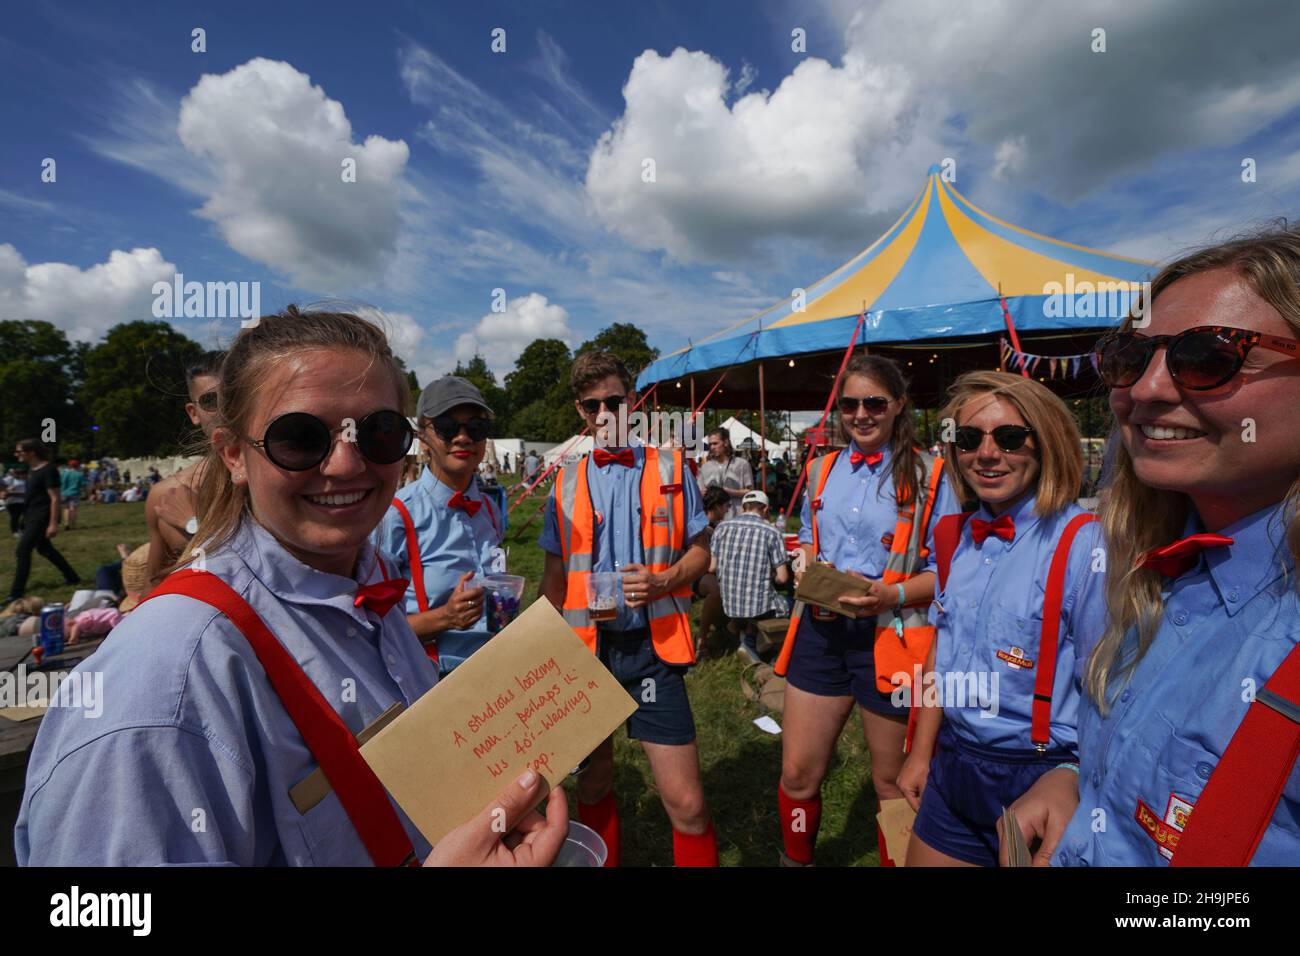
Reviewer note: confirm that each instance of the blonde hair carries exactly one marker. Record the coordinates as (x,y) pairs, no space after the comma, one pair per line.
(1136,517)
(221,504)
(1056,436)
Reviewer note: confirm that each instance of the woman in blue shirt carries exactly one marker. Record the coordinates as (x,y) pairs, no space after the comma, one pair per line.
(1189,738)
(199,748)
(453,529)
(1009,615)
(833,661)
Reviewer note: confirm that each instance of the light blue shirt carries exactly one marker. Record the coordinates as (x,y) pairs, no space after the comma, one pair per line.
(193,756)
(1228,623)
(616,500)
(451,543)
(859,509)
(988,621)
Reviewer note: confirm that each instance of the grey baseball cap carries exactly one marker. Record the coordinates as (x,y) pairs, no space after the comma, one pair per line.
(447,393)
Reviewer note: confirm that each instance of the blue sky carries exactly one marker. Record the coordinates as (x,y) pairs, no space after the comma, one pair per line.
(522,170)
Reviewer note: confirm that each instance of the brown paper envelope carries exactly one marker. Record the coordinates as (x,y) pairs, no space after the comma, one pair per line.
(534,695)
(315,787)
(1017,849)
(821,585)
(18,714)
(896,817)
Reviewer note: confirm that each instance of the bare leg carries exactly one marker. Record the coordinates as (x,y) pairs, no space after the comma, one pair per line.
(676,770)
(885,737)
(920,853)
(812,725)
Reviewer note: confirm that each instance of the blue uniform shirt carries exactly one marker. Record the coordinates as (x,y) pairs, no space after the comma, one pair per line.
(989,617)
(616,500)
(1227,625)
(193,755)
(858,509)
(451,543)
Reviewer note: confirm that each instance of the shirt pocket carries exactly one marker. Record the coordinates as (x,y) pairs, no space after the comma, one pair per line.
(331,838)
(1012,653)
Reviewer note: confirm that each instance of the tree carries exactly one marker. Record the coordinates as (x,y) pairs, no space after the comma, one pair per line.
(625,340)
(537,392)
(134,389)
(38,371)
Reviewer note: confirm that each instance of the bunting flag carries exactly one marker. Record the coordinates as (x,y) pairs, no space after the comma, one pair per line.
(1067,365)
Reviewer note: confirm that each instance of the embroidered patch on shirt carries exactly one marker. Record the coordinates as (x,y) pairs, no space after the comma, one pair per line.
(1166,832)
(887,539)
(1016,657)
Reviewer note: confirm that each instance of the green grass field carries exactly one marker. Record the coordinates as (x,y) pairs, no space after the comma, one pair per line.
(741,763)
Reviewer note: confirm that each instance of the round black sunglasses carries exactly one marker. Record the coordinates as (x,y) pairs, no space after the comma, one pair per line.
(299,441)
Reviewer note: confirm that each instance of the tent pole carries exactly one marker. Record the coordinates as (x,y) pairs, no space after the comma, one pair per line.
(762,430)
(1011,329)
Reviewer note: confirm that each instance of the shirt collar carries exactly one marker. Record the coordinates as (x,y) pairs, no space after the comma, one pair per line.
(1257,557)
(885,450)
(440,492)
(291,580)
(1023,516)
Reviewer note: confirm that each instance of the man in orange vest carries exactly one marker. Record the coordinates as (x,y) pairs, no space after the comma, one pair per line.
(633,509)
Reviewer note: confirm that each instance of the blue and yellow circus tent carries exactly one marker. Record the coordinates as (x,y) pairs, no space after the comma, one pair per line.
(932,290)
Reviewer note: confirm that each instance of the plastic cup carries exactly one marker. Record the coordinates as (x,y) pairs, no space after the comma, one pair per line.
(501,595)
(604,595)
(582,847)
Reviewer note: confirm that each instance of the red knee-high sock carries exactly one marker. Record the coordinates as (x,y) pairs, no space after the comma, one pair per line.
(885,859)
(695,849)
(800,820)
(602,816)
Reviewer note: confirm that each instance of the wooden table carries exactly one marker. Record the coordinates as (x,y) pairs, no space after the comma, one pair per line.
(17,737)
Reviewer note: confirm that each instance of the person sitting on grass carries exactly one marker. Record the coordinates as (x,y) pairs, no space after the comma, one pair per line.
(747,554)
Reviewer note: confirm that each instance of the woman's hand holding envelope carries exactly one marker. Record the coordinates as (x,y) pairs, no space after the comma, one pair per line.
(509,831)
(878,598)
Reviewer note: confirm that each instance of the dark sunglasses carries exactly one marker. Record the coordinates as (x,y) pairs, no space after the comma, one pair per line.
(447,428)
(1198,359)
(592,405)
(300,441)
(1006,437)
(874,404)
(208,401)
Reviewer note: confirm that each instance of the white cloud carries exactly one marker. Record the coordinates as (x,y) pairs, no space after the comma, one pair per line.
(275,145)
(85,303)
(1007,86)
(500,337)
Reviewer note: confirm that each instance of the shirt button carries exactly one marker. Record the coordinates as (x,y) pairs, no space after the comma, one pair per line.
(1180,618)
(988,560)
(852,540)
(1233,595)
(855,510)
(1203,770)
(392,659)
(1064,858)
(1096,779)
(1126,695)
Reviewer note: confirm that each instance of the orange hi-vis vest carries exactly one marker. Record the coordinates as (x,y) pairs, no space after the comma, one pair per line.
(663,533)
(895,654)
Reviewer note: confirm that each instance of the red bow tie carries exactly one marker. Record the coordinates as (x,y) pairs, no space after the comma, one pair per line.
(381,596)
(858,458)
(466,505)
(622,457)
(1175,560)
(1003,527)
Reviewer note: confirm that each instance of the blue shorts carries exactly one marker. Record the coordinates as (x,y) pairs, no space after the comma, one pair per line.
(663,714)
(967,789)
(837,658)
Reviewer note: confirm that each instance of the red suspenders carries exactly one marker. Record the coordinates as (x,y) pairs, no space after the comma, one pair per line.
(327,737)
(413,558)
(1238,802)
(947,533)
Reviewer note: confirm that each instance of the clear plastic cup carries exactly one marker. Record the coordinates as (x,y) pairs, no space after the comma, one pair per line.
(582,847)
(501,596)
(604,595)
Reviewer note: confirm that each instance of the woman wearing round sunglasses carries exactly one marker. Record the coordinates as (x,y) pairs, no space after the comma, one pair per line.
(444,520)
(1019,589)
(246,673)
(869,511)
(1189,740)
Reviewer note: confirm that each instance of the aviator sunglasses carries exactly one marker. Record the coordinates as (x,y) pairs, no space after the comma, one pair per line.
(1198,359)
(874,404)
(447,428)
(1006,437)
(300,441)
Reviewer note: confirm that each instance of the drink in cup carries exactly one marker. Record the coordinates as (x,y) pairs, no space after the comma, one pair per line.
(501,594)
(604,595)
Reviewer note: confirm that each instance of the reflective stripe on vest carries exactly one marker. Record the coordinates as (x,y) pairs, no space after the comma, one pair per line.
(663,529)
(330,741)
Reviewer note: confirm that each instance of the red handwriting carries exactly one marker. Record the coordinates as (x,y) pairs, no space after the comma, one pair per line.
(486,746)
(581,703)
(490,709)
(537,673)
(535,704)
